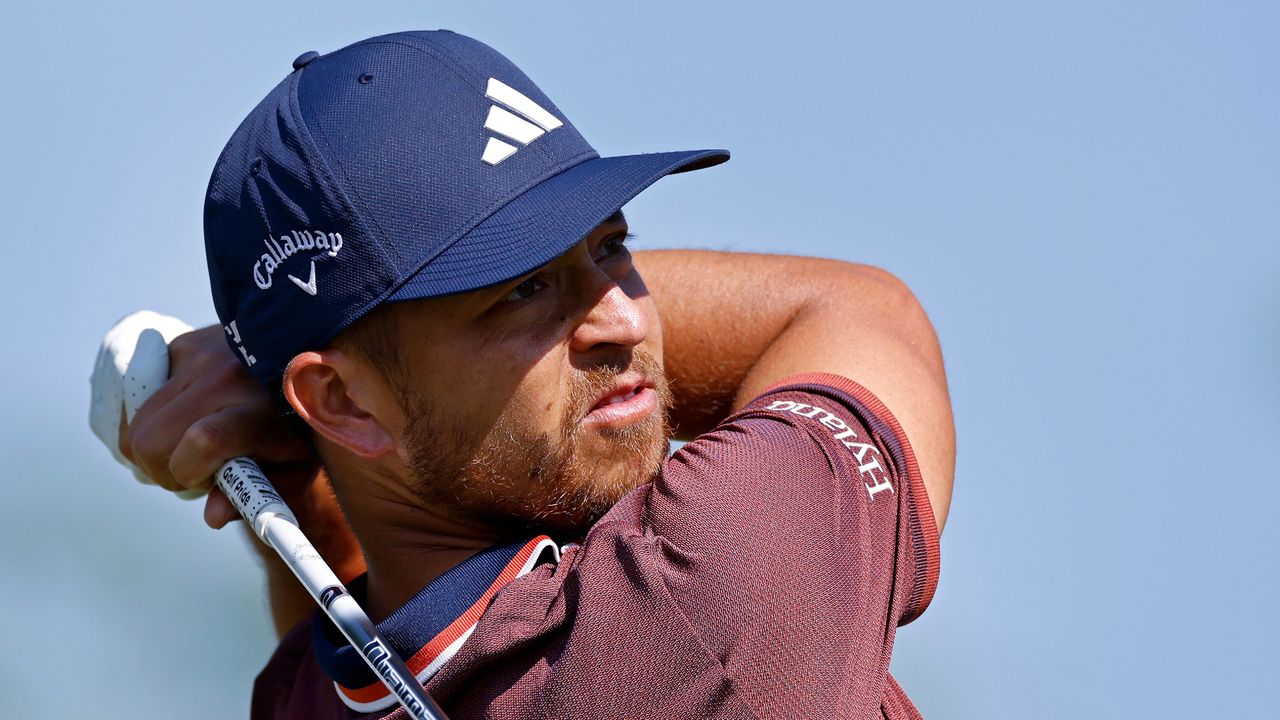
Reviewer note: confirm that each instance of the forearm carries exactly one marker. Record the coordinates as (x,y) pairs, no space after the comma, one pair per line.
(733,323)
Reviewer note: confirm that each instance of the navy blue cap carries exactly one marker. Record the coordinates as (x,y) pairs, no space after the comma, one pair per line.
(401,167)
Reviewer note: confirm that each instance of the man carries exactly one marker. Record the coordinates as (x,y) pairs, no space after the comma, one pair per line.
(412,244)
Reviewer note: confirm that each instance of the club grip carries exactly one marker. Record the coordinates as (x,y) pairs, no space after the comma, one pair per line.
(242,481)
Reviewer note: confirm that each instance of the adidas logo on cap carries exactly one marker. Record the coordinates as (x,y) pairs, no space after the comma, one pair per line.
(531,123)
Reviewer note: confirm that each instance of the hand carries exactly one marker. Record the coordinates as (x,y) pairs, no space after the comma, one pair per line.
(209,411)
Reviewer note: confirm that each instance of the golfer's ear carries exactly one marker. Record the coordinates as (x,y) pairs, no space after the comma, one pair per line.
(329,391)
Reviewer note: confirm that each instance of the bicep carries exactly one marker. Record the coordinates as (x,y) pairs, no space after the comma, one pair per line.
(871,329)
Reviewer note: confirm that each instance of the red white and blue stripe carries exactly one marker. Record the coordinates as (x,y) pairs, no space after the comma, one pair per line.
(429,629)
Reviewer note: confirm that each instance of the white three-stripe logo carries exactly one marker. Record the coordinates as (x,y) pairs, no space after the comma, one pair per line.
(531,123)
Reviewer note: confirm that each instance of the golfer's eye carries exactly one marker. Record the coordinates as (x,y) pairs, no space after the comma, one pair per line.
(525,290)
(613,245)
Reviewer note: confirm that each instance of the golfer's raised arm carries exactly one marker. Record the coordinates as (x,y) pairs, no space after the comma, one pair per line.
(735,323)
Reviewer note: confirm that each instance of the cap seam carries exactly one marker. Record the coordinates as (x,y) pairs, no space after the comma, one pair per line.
(442,53)
(345,196)
(472,78)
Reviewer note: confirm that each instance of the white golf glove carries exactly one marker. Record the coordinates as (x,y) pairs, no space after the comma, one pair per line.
(134,357)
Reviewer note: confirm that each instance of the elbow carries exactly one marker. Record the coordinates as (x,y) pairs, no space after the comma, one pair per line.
(883,286)
(893,308)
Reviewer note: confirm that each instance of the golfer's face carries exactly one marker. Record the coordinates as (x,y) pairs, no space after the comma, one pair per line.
(564,362)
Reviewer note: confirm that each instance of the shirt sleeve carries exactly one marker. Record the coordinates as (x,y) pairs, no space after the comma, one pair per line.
(798,536)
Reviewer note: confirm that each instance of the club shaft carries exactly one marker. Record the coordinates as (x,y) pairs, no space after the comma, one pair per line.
(262,507)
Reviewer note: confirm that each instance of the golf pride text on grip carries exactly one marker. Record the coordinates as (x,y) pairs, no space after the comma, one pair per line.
(242,481)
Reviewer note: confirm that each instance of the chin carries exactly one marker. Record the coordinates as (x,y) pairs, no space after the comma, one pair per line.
(592,488)
(590,481)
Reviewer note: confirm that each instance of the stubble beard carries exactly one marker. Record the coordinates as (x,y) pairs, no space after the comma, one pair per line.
(514,479)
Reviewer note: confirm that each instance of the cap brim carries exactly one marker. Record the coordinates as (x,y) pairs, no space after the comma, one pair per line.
(545,221)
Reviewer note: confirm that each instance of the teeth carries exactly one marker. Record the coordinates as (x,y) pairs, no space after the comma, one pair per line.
(620,398)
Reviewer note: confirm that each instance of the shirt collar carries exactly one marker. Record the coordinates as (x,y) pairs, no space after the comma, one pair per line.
(427,630)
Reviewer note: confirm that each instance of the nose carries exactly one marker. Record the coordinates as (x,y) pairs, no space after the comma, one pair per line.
(614,320)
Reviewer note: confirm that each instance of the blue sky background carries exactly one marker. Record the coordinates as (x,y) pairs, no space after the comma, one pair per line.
(1083,195)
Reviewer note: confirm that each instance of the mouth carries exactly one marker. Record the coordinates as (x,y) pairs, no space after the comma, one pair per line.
(629,401)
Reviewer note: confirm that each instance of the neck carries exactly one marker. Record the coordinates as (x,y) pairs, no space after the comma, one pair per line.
(407,545)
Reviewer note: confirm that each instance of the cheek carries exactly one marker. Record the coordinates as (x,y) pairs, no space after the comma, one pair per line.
(473,388)
(544,390)
(525,379)
(653,340)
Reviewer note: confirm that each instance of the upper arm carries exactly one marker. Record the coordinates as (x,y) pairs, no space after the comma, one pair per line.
(735,323)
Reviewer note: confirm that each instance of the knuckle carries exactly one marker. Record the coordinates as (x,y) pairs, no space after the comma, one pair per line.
(149,467)
(183,344)
(206,437)
(199,352)
(145,449)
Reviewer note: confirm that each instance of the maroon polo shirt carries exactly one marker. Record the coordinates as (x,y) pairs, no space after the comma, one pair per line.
(763,573)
